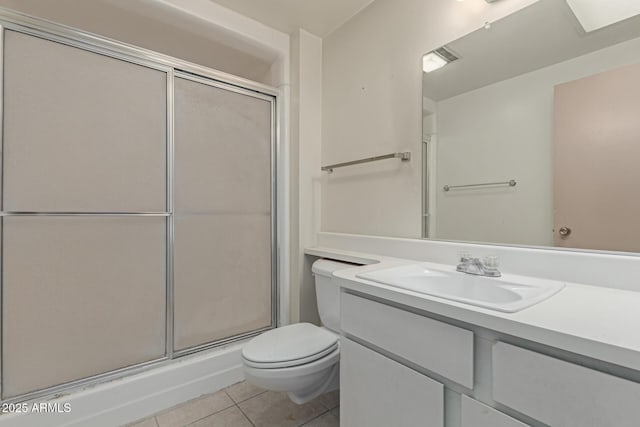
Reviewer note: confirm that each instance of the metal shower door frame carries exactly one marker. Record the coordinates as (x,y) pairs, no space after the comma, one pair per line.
(172,67)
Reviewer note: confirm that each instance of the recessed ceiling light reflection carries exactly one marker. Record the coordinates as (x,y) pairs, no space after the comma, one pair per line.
(437,59)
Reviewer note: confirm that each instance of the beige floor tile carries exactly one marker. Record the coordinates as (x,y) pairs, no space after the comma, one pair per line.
(326,420)
(194,410)
(149,422)
(230,417)
(331,399)
(336,412)
(273,409)
(243,391)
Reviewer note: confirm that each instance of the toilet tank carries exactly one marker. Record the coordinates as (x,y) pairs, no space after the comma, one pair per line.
(328,292)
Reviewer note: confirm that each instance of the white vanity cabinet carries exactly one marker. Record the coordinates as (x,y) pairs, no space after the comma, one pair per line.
(477,414)
(379,392)
(400,367)
(560,393)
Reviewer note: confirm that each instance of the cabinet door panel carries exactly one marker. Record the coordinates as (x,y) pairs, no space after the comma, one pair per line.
(82,131)
(562,394)
(439,347)
(81,296)
(476,414)
(379,392)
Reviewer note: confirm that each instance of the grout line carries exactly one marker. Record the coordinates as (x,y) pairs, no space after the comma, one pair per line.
(326,405)
(208,416)
(322,414)
(248,398)
(173,408)
(229,396)
(234,403)
(245,415)
(237,405)
(211,414)
(180,405)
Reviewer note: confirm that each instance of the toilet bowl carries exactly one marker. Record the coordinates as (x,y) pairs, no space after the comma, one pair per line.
(301,359)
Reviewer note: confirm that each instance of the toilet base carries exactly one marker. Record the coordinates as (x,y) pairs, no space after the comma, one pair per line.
(332,383)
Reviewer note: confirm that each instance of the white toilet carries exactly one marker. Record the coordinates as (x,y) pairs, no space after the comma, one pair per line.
(301,359)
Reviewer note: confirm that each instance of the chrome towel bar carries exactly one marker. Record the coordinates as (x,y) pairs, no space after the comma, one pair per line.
(404,156)
(510,183)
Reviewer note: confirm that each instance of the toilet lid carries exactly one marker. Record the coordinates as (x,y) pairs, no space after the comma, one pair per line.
(289,346)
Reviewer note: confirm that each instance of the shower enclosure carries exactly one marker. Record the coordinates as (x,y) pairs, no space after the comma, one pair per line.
(138,217)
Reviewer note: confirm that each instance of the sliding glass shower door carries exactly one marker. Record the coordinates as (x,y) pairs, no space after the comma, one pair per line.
(83,267)
(138,212)
(223,212)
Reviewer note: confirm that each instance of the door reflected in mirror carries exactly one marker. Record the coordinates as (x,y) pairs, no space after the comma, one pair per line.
(531,134)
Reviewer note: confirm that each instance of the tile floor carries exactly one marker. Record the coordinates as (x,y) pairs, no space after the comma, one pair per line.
(244,405)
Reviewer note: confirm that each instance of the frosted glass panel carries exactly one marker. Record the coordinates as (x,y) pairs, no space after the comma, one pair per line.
(223,213)
(82,131)
(81,296)
(222,277)
(223,147)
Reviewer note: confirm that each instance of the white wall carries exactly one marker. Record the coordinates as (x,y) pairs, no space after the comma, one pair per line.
(505,131)
(306,129)
(372,99)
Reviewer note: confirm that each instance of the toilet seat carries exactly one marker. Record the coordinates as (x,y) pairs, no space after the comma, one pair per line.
(291,363)
(296,371)
(290,346)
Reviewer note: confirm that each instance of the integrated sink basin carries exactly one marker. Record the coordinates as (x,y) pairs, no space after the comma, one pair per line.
(509,293)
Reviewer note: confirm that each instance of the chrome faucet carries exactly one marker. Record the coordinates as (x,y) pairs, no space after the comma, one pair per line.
(487,267)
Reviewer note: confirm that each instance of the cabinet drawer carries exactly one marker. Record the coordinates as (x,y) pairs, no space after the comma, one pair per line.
(560,393)
(378,392)
(441,348)
(476,414)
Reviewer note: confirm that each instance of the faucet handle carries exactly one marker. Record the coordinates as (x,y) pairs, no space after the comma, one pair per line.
(491,262)
(464,256)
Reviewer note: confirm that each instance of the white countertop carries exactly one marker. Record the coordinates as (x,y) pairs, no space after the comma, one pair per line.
(597,322)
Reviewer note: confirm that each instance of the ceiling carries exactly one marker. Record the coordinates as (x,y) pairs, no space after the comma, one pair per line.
(320,17)
(542,34)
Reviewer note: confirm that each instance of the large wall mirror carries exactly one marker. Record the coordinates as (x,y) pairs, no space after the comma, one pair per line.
(531,133)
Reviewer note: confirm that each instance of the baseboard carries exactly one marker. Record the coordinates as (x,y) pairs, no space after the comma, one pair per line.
(131,398)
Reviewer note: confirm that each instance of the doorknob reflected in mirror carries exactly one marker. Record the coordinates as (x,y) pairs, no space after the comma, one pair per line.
(564,231)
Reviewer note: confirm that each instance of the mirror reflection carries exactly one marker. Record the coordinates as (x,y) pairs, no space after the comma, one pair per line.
(531,133)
